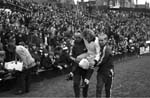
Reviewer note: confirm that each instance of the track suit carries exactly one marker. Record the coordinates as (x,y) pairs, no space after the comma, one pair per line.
(105,72)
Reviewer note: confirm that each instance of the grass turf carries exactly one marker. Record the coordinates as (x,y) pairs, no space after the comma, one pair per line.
(131,79)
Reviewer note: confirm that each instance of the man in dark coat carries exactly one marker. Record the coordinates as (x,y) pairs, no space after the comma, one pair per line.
(78,72)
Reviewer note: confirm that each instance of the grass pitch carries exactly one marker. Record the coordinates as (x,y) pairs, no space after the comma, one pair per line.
(131,79)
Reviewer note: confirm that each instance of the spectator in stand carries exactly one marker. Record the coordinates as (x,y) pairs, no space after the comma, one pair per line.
(2,55)
(92,54)
(46,60)
(62,59)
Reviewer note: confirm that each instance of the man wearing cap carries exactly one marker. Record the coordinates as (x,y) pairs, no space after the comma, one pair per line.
(23,77)
(105,71)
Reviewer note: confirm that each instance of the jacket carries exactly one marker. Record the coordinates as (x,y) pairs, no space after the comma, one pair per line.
(25,56)
(105,64)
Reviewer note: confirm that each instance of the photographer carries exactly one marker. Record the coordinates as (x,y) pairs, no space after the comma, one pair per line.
(23,77)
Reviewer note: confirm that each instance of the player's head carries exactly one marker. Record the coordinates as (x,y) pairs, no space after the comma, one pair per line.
(88,35)
(77,36)
(103,39)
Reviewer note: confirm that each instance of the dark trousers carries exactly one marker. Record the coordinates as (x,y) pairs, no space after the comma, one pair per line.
(79,74)
(89,73)
(103,80)
(23,80)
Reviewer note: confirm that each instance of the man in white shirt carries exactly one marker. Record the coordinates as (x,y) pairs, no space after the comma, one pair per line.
(23,77)
(25,56)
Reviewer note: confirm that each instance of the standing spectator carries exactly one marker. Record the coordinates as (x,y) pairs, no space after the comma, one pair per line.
(23,77)
(2,55)
(35,38)
(105,72)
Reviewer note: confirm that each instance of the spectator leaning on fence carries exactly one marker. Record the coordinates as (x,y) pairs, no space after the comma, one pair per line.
(23,77)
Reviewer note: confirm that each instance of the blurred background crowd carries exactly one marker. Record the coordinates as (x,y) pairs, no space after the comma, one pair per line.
(47,30)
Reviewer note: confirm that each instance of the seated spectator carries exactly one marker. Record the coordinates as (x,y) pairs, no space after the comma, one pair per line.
(62,59)
(46,60)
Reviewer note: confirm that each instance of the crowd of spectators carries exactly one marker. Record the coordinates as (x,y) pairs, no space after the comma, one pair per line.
(47,30)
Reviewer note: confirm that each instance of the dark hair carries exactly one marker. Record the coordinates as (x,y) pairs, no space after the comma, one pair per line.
(11,47)
(57,50)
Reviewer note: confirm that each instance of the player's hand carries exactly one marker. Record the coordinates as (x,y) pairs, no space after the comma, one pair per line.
(91,61)
(72,58)
(77,60)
